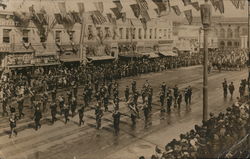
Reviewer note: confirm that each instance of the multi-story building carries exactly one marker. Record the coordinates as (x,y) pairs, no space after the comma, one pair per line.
(23,45)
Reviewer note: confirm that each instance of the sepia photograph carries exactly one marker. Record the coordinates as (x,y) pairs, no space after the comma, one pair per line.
(124,79)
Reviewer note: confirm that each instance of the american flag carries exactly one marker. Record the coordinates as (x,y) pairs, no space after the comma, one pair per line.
(143,4)
(98,18)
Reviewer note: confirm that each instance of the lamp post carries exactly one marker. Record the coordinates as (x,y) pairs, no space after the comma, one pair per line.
(206,21)
(199,38)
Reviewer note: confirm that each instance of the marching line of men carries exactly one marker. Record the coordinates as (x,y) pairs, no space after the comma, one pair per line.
(230,87)
(170,95)
(102,95)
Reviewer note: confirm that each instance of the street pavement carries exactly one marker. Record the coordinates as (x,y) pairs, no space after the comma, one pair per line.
(60,141)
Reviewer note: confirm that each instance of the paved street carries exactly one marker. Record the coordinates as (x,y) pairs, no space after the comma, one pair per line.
(60,141)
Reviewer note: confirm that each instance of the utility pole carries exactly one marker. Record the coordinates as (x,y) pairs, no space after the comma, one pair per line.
(206,21)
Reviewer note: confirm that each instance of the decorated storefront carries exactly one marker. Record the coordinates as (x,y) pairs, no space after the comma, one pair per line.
(68,52)
(19,56)
(45,55)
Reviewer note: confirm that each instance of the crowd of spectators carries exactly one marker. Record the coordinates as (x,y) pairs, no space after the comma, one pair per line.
(40,79)
(214,138)
(228,59)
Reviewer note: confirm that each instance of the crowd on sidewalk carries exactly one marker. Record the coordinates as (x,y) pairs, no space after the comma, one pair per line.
(213,137)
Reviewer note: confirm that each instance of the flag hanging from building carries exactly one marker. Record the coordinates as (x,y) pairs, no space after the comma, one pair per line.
(136,10)
(62,8)
(118,4)
(98,18)
(242,4)
(220,5)
(186,2)
(196,5)
(236,3)
(145,15)
(161,6)
(144,23)
(21,19)
(42,19)
(143,4)
(116,12)
(176,10)
(81,8)
(76,17)
(214,4)
(124,17)
(111,19)
(58,18)
(188,15)
(99,6)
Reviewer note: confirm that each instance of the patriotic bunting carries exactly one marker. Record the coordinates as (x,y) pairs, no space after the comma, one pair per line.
(176,10)
(196,5)
(136,10)
(188,15)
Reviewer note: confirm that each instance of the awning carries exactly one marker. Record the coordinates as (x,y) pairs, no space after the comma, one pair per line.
(169,53)
(150,55)
(47,64)
(20,66)
(99,58)
(136,55)
(71,60)
(41,51)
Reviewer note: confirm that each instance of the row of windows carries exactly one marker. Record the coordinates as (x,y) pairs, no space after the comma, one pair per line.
(230,33)
(229,44)
(129,32)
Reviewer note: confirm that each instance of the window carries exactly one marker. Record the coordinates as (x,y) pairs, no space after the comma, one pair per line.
(222,33)
(169,33)
(145,33)
(6,35)
(107,32)
(160,34)
(133,33)
(58,36)
(237,33)
(120,31)
(139,33)
(155,33)
(150,33)
(229,43)
(165,32)
(25,36)
(127,33)
(229,33)
(71,35)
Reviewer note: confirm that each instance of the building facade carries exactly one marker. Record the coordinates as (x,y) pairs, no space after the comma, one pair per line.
(23,45)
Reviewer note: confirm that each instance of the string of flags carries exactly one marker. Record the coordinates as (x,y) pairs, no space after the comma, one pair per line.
(140,9)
